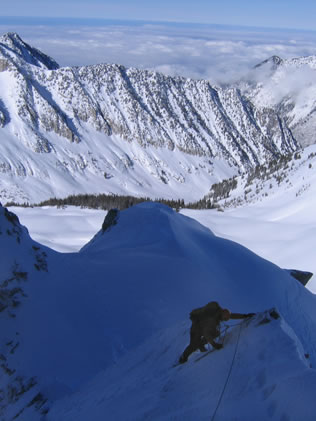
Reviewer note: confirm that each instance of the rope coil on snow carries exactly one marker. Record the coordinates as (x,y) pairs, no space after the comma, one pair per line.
(230,370)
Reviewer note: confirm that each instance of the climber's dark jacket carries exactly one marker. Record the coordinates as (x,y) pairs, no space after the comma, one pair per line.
(206,327)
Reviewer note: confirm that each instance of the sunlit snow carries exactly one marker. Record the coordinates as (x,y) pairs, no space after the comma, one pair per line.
(278,230)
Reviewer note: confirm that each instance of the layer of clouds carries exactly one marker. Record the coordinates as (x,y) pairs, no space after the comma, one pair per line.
(297,82)
(219,54)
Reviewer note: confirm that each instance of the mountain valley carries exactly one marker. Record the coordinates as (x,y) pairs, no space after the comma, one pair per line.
(109,129)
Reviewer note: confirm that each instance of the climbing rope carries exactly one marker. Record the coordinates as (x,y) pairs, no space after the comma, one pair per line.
(230,369)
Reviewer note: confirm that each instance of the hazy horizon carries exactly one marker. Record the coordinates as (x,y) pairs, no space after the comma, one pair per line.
(297,14)
(219,53)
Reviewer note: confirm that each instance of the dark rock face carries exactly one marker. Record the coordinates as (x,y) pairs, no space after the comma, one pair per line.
(302,276)
(274,62)
(4,65)
(110,220)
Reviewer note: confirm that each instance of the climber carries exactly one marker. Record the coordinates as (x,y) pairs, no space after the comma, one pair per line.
(206,327)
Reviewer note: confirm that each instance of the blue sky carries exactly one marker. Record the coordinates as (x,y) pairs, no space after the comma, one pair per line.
(125,33)
(265,13)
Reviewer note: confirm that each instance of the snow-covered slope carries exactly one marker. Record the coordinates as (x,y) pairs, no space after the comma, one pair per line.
(127,294)
(270,210)
(261,373)
(291,179)
(289,87)
(109,129)
(23,266)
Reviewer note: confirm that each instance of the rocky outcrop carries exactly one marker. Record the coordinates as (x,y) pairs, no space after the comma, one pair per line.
(110,220)
(302,276)
(4,65)
(2,119)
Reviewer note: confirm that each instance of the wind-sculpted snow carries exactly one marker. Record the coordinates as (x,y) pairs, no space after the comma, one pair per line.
(138,278)
(270,379)
(95,123)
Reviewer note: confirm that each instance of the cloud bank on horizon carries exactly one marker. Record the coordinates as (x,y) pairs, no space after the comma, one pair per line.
(218,53)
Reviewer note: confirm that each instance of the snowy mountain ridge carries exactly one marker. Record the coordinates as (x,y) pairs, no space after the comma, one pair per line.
(104,322)
(264,346)
(105,128)
(289,87)
(13,47)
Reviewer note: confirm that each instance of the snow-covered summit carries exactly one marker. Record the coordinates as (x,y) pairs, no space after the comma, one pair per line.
(147,225)
(13,48)
(272,63)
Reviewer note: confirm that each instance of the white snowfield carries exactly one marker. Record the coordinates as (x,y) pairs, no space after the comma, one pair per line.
(278,224)
(99,330)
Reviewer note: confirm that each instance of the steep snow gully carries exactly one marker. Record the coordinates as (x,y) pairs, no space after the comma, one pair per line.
(96,334)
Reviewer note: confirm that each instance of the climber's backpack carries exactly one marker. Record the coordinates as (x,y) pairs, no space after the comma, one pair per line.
(209,310)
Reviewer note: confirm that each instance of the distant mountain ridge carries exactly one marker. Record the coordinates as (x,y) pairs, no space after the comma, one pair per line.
(109,129)
(289,87)
(13,47)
